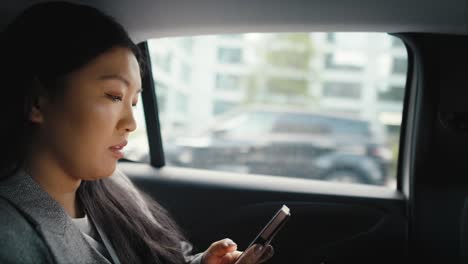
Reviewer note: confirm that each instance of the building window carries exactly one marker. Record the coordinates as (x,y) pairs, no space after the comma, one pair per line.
(181,103)
(227,81)
(347,63)
(342,90)
(288,86)
(221,106)
(230,55)
(331,37)
(289,59)
(185,72)
(400,65)
(393,94)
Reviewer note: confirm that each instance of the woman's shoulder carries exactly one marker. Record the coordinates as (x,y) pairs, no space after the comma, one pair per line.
(20,243)
(11,218)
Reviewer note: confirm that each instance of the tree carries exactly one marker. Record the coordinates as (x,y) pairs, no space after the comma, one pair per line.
(279,55)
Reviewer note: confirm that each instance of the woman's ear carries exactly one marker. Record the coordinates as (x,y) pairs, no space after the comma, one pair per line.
(35,115)
(38,101)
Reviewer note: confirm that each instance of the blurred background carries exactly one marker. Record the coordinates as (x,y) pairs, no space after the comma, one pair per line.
(324,106)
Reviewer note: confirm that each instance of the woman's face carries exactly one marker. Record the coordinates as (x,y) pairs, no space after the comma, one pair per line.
(83,128)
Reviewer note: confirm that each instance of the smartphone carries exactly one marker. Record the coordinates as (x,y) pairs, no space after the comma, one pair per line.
(266,235)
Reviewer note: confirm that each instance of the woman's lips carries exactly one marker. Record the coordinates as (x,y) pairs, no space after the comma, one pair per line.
(117,152)
(117,149)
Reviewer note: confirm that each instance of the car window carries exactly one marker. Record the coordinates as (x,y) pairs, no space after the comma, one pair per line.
(322,106)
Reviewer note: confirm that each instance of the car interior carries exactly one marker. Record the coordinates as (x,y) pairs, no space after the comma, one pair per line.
(422,216)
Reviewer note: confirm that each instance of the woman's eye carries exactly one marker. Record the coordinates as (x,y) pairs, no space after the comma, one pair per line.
(114,98)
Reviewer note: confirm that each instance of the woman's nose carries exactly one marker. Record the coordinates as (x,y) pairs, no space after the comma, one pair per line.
(128,121)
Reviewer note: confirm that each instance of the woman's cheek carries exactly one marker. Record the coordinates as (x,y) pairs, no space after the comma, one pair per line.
(102,118)
(103,129)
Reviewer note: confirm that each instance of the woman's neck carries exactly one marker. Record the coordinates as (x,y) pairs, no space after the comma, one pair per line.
(56,182)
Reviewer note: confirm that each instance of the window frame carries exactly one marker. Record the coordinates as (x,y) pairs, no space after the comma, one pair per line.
(411,104)
(150,110)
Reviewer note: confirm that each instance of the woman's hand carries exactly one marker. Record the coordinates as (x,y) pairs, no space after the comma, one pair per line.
(221,252)
(225,252)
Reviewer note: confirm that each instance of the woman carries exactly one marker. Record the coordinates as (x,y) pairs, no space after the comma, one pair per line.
(71,76)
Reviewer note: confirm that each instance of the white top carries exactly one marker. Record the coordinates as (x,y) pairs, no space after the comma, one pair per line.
(91,235)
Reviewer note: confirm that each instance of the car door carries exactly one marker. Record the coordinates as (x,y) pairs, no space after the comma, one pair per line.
(330,222)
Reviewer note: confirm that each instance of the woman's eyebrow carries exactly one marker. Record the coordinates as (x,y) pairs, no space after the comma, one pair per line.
(117,77)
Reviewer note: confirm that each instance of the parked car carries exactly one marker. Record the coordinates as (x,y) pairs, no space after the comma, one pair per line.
(290,143)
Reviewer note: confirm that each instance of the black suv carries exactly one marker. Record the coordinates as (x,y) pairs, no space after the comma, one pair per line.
(288,143)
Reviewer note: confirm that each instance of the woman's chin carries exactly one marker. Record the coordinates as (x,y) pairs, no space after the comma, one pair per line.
(101,173)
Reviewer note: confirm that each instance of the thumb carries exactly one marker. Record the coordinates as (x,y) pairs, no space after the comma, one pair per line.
(266,253)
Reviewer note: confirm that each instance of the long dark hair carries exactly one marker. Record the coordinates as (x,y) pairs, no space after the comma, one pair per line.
(45,43)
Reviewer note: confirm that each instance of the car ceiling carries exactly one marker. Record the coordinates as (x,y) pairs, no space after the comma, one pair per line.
(146,19)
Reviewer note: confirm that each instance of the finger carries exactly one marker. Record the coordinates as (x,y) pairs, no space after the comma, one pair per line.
(230,258)
(267,254)
(222,247)
(236,254)
(257,254)
(250,254)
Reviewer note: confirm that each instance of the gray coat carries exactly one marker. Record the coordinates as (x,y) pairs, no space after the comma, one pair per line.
(34,228)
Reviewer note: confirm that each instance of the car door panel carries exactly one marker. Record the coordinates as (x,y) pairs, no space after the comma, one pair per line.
(342,224)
